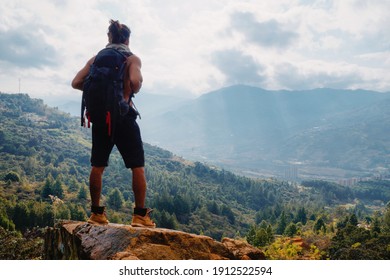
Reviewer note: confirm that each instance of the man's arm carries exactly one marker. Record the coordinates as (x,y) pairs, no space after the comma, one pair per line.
(78,80)
(135,75)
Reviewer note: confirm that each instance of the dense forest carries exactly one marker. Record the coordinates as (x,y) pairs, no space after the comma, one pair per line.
(44,170)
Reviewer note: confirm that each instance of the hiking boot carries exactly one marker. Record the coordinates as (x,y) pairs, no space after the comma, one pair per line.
(140,220)
(98,216)
(98,219)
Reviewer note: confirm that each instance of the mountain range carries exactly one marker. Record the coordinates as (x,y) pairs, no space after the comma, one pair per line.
(323,133)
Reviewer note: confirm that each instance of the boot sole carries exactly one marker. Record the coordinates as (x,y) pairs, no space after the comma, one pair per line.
(97,223)
(141,225)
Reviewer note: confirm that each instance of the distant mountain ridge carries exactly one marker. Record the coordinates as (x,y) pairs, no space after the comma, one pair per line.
(252,128)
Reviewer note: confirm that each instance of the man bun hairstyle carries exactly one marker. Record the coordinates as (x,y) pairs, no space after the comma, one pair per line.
(119,32)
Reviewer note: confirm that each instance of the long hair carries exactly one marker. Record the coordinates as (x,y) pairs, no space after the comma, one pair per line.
(119,32)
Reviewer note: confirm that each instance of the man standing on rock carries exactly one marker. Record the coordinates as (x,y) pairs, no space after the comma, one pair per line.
(127,136)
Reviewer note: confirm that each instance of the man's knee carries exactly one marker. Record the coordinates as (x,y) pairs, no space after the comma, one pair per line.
(97,170)
(138,170)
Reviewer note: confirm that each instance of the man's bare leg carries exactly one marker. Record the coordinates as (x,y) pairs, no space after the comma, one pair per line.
(141,217)
(95,188)
(95,184)
(139,186)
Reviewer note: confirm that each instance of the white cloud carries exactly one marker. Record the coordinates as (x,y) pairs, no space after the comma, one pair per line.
(270,33)
(238,68)
(26,49)
(185,45)
(319,74)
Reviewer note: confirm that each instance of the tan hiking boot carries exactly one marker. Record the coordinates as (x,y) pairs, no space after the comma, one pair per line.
(143,221)
(98,216)
(98,219)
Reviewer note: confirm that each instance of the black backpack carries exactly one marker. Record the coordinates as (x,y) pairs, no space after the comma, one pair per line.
(102,101)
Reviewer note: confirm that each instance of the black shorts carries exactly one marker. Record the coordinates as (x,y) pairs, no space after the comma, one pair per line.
(127,138)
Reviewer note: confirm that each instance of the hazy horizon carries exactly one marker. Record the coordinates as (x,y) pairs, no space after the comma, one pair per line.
(194,47)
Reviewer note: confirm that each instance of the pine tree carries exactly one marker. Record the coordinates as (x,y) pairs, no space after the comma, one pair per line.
(319,225)
(73,184)
(291,230)
(353,220)
(82,194)
(21,216)
(251,235)
(376,225)
(282,223)
(62,212)
(227,212)
(115,199)
(12,176)
(48,215)
(77,213)
(58,189)
(270,234)
(261,238)
(48,187)
(213,208)
(301,216)
(263,224)
(167,220)
(5,221)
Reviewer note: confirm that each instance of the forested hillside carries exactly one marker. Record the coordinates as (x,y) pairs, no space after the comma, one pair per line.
(44,171)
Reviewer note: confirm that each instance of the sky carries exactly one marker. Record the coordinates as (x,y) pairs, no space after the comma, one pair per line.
(192,47)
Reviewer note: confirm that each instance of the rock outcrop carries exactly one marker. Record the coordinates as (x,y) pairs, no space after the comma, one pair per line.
(80,240)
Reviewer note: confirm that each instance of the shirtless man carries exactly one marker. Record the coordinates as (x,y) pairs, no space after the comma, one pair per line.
(127,135)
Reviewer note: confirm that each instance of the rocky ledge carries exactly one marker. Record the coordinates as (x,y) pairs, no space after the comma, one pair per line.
(71,240)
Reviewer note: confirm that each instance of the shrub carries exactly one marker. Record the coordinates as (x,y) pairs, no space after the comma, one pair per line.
(12,176)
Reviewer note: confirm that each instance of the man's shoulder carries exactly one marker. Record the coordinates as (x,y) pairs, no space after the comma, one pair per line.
(91,60)
(133,58)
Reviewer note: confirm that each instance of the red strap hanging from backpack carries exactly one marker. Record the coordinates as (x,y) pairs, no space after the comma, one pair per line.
(89,120)
(88,117)
(108,122)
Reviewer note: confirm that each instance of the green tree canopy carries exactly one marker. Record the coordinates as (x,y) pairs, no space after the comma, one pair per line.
(115,199)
